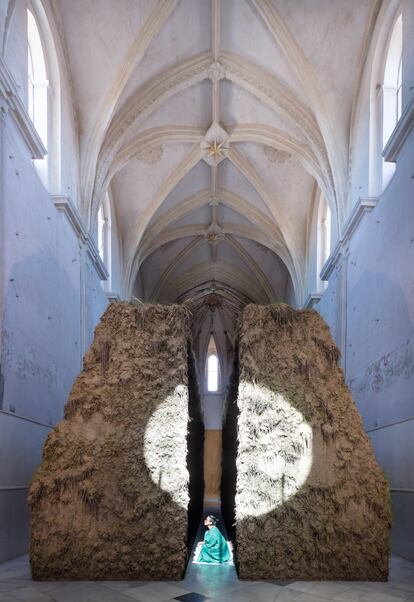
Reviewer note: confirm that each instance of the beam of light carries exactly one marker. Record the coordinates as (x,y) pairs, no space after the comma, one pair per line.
(275,451)
(165,446)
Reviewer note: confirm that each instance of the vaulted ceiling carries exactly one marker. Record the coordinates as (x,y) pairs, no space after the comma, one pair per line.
(214,122)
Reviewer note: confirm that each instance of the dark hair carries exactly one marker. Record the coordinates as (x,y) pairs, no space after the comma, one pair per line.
(213,519)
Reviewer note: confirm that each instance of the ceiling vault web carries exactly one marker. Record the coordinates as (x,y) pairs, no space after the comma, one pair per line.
(213,150)
(305,73)
(151,27)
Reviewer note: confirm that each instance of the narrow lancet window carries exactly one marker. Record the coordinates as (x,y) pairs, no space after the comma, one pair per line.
(212,371)
(212,367)
(37,79)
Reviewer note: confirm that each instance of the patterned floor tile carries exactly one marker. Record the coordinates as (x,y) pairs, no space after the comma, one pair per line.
(263,592)
(203,582)
(327,589)
(156,592)
(240,595)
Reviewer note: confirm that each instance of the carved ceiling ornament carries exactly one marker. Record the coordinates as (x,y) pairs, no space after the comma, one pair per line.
(216,72)
(213,301)
(239,71)
(214,146)
(150,154)
(214,233)
(275,155)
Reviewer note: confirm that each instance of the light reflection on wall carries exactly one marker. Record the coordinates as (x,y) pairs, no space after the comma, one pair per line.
(275,451)
(165,446)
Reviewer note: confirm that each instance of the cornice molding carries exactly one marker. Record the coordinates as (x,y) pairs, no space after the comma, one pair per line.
(97,262)
(364,205)
(331,262)
(312,299)
(113,297)
(65,205)
(10,102)
(400,134)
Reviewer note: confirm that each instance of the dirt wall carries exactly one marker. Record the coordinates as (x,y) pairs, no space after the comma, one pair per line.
(229,456)
(110,498)
(311,501)
(195,453)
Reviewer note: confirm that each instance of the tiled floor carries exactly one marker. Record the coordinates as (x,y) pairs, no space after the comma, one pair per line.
(203,582)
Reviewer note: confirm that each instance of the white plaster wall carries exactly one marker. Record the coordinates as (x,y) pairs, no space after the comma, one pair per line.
(51,295)
(41,336)
(369,305)
(374,328)
(380,336)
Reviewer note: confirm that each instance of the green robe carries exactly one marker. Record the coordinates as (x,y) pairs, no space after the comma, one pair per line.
(214,548)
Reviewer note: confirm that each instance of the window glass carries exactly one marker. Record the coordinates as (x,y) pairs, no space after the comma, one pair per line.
(37,80)
(212,373)
(392,82)
(101,233)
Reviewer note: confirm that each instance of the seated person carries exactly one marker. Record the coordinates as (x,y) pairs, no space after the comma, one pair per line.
(214,548)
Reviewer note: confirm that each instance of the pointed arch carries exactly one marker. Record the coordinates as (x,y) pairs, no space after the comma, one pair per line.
(256,80)
(212,367)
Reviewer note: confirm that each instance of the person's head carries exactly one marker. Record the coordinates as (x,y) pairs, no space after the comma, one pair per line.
(210,520)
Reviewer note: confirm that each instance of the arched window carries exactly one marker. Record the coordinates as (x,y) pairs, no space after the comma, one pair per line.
(386,88)
(104,238)
(391,93)
(212,373)
(212,367)
(324,233)
(320,243)
(392,82)
(43,103)
(101,233)
(37,79)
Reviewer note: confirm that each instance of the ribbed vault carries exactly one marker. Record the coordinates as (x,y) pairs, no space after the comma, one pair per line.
(211,123)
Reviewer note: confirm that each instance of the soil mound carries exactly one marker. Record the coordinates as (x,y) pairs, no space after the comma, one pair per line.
(111,496)
(311,501)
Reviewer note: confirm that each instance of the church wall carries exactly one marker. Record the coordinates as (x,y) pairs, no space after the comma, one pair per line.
(51,300)
(369,302)
(309,482)
(380,337)
(118,460)
(374,326)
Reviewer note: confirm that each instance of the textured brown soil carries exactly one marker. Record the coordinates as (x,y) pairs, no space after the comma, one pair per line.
(110,498)
(335,523)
